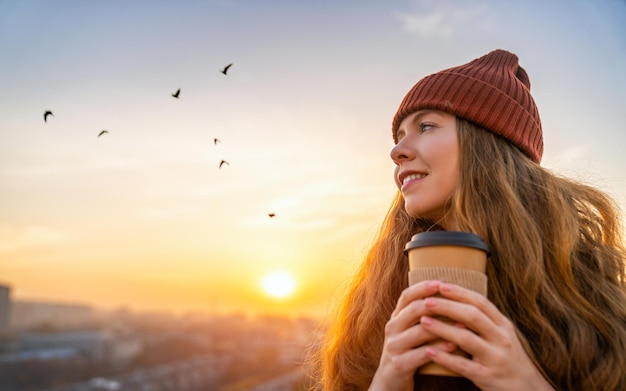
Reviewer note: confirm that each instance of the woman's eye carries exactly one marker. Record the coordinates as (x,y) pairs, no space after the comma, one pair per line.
(425,127)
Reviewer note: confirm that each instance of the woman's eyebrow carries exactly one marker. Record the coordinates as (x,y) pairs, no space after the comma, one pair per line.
(421,114)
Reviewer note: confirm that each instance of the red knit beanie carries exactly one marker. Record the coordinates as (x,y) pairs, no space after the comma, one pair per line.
(492,91)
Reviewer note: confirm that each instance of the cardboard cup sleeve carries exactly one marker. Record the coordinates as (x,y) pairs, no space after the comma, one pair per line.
(466,278)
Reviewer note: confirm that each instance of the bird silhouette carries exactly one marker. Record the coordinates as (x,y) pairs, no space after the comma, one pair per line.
(271,215)
(225,70)
(223,162)
(175,95)
(216,140)
(46,114)
(103,132)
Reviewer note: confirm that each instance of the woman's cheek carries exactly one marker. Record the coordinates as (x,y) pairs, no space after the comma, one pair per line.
(395,176)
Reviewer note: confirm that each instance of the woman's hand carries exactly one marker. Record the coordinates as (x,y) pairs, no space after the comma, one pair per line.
(404,348)
(498,360)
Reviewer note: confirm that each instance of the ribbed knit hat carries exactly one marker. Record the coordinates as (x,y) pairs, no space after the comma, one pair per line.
(492,91)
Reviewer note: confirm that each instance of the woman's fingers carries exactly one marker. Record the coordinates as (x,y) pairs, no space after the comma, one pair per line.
(415,358)
(497,360)
(409,339)
(462,295)
(416,291)
(396,370)
(410,306)
(471,309)
(459,364)
(461,336)
(499,364)
(404,348)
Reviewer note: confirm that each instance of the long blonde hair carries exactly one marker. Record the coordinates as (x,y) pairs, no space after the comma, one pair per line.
(557,270)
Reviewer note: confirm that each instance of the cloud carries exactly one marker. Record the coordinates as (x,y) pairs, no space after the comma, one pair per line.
(13,239)
(445,19)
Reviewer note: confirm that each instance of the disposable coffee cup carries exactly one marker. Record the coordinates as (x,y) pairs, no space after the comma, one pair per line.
(450,256)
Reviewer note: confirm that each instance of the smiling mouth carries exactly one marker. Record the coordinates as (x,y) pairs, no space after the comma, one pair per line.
(412,177)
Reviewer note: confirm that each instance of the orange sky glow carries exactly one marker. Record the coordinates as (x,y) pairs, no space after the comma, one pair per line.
(143,217)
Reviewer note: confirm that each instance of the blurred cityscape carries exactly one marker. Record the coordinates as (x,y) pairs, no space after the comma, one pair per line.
(64,347)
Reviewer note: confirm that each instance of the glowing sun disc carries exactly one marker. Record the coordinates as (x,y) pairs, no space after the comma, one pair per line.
(278,284)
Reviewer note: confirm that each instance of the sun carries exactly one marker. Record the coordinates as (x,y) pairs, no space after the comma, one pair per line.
(278,284)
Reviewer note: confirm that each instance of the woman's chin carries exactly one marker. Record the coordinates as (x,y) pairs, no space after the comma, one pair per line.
(436,219)
(417,213)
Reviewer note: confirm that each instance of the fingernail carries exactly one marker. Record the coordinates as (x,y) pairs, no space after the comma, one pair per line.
(431,352)
(451,345)
(433,284)
(445,287)
(430,302)
(426,321)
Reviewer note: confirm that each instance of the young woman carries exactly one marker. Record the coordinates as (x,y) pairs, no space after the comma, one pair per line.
(468,143)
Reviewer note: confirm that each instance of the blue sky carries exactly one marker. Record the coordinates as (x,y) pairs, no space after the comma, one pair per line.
(143,216)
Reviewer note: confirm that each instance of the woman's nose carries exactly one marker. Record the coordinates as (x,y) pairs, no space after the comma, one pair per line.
(401,152)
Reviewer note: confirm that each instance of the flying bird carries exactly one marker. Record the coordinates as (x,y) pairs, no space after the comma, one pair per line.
(175,95)
(46,114)
(222,163)
(103,132)
(216,140)
(271,214)
(225,70)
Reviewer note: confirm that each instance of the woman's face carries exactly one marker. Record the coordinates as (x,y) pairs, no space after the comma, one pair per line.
(426,155)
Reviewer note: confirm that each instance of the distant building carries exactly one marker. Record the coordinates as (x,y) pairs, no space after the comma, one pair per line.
(33,314)
(95,345)
(87,345)
(5,308)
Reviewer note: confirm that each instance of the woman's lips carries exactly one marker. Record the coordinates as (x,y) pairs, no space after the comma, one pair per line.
(412,177)
(407,180)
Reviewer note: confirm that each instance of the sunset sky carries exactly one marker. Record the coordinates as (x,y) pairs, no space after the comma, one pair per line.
(143,217)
